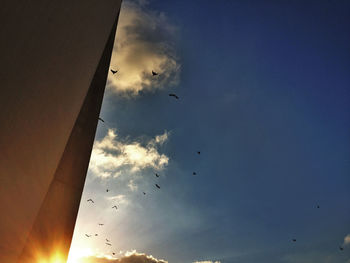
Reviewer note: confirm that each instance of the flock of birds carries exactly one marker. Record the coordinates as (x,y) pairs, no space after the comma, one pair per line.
(108,242)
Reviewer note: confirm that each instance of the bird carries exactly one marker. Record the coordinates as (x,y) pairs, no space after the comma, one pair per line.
(144,193)
(318,206)
(100,119)
(107,190)
(90,200)
(154,73)
(199,152)
(114,71)
(113,254)
(194,173)
(108,240)
(157,186)
(96,235)
(108,244)
(294,240)
(341,248)
(115,207)
(157,175)
(87,235)
(174,95)
(100,224)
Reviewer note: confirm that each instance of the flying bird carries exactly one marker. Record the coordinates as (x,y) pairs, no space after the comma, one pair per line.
(90,200)
(108,240)
(341,248)
(87,235)
(100,119)
(157,186)
(114,71)
(174,95)
(294,240)
(194,173)
(157,175)
(107,190)
(108,244)
(100,224)
(318,206)
(96,235)
(113,254)
(154,73)
(115,207)
(199,152)
(144,193)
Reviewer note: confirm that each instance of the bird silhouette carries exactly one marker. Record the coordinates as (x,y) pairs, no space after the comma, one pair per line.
(294,240)
(154,73)
(90,200)
(194,173)
(318,206)
(144,193)
(108,244)
(114,71)
(87,235)
(115,207)
(174,95)
(96,235)
(341,248)
(157,175)
(100,224)
(107,190)
(199,152)
(157,186)
(113,254)
(108,240)
(100,119)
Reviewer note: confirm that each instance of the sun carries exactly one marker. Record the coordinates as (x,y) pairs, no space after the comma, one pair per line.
(57,257)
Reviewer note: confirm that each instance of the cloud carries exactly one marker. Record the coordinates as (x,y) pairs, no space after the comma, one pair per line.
(207,261)
(120,199)
(143,43)
(132,257)
(111,155)
(347,240)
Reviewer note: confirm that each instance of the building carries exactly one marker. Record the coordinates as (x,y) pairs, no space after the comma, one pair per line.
(54,65)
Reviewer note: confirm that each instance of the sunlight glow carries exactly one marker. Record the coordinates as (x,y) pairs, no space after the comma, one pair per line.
(57,257)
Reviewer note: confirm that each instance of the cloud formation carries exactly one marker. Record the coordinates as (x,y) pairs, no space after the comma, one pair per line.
(347,240)
(207,261)
(143,43)
(129,258)
(111,155)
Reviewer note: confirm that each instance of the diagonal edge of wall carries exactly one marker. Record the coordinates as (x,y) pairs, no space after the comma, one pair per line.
(53,228)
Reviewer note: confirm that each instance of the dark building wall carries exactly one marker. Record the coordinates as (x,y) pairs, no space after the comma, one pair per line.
(50,51)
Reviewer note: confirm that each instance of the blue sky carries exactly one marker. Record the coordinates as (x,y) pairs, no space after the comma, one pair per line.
(264,95)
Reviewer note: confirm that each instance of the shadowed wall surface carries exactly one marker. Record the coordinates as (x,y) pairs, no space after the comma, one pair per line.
(52,52)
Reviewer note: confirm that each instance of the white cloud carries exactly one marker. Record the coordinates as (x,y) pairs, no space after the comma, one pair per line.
(111,155)
(132,185)
(346,240)
(207,261)
(130,257)
(143,43)
(120,199)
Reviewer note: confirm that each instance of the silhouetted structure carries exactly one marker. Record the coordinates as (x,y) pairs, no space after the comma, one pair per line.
(54,65)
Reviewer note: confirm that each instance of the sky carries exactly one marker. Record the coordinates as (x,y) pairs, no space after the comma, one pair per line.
(264,95)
